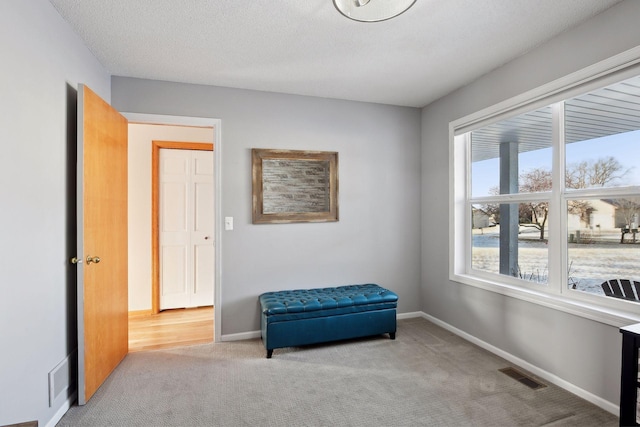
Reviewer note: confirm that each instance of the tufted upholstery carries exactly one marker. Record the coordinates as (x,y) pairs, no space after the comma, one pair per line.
(310,316)
(309,300)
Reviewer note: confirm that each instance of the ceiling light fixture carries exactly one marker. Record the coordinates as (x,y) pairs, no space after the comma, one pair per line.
(372,10)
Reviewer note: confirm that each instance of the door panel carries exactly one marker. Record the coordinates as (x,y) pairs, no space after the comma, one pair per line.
(203,212)
(174,229)
(186,220)
(204,164)
(174,215)
(203,283)
(174,273)
(203,229)
(102,241)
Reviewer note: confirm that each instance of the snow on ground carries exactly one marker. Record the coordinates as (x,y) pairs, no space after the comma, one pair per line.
(599,259)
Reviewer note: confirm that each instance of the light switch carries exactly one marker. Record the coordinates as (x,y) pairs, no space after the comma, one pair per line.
(228,223)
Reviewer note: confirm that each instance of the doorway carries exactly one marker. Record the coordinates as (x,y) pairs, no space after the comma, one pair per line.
(143,247)
(103,305)
(182,225)
(171,328)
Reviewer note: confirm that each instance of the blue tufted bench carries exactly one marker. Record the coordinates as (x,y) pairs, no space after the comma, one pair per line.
(310,316)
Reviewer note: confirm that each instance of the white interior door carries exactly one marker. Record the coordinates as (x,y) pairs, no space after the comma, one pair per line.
(186,226)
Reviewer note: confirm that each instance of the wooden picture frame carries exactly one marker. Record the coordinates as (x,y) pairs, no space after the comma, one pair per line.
(294,186)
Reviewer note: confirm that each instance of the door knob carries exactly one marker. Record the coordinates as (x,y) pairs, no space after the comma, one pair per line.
(91,259)
(76,260)
(206,237)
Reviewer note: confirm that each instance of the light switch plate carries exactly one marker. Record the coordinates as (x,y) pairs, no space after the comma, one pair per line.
(228,223)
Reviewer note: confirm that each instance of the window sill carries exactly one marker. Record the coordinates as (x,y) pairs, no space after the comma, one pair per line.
(567,304)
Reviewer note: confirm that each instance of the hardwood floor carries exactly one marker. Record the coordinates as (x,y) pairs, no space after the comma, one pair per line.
(171,328)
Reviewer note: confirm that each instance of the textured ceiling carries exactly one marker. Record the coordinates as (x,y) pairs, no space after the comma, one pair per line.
(306,47)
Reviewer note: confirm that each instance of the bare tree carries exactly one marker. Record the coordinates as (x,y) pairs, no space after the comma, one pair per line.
(577,175)
(535,214)
(582,208)
(591,173)
(529,214)
(629,209)
(585,174)
(491,210)
(535,181)
(594,173)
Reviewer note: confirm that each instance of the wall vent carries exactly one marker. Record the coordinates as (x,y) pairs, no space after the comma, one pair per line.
(62,378)
(523,378)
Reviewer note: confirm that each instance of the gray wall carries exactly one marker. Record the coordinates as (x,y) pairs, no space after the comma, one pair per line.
(583,352)
(377,239)
(42,63)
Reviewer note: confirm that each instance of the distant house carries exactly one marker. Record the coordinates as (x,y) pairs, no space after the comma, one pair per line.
(482,220)
(606,214)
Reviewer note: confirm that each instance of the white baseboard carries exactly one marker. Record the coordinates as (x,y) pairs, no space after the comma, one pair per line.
(241,336)
(410,315)
(548,376)
(66,405)
(257,334)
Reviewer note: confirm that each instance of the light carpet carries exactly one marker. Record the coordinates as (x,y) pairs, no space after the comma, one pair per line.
(426,377)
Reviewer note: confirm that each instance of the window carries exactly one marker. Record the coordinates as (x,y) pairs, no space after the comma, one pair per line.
(547,198)
(510,192)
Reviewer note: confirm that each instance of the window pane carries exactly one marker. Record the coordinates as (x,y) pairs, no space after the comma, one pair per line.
(603,242)
(510,239)
(517,149)
(602,137)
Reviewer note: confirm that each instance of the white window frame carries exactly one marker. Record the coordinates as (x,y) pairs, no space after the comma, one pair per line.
(555,295)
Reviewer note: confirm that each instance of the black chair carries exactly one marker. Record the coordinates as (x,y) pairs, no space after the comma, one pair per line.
(622,288)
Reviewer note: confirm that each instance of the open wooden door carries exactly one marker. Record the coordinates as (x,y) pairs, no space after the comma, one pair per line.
(102,241)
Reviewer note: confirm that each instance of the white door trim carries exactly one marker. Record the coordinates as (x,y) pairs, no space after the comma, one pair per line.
(217,162)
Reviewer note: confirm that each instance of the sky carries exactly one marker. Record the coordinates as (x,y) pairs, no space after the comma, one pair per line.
(625,147)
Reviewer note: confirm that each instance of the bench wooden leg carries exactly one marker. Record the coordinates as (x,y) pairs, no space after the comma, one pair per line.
(269,353)
(392,335)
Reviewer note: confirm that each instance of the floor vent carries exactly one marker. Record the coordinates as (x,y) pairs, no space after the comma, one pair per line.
(523,378)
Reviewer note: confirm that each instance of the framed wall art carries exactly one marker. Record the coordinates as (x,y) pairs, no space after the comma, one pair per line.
(294,186)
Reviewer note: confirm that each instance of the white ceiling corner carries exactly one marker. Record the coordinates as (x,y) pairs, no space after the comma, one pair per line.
(308,48)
